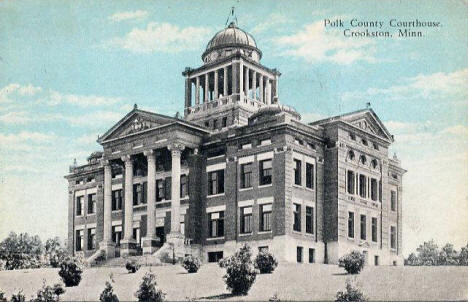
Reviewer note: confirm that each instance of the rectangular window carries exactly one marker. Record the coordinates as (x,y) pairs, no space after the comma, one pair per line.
(374,189)
(246,175)
(224,124)
(79,240)
(309,176)
(184,186)
(117,234)
(363,227)
(362,186)
(246,220)
(215,256)
(393,200)
(350,182)
(265,142)
(159,189)
(310,220)
(216,224)
(91,239)
(350,224)
(297,218)
(393,237)
(79,206)
(374,229)
(136,235)
(167,188)
(311,255)
(216,182)
(297,172)
(265,217)
(215,124)
(117,200)
(266,171)
(246,146)
(299,254)
(91,203)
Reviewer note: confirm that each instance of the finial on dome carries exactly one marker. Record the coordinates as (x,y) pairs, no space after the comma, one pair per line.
(135,106)
(232,16)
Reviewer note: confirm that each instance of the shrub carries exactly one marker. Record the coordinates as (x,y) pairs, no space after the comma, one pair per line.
(274,298)
(148,291)
(352,294)
(48,293)
(353,262)
(70,272)
(21,251)
(54,253)
(107,294)
(18,297)
(2,296)
(191,264)
(132,266)
(265,262)
(240,272)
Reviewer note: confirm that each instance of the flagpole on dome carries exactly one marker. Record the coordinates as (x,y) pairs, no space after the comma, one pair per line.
(231,16)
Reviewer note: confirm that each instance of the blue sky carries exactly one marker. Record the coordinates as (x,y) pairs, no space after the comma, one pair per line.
(70,70)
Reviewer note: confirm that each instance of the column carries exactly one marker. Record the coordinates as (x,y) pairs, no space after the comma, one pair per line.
(234,77)
(254,85)
(197,91)
(216,92)
(128,244)
(176,150)
(268,92)
(206,94)
(188,92)
(241,79)
(275,92)
(246,81)
(107,245)
(150,241)
(225,84)
(261,88)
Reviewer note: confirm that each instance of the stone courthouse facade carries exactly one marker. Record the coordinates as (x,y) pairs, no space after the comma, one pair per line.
(238,167)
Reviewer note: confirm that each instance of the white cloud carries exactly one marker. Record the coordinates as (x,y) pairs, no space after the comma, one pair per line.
(162,37)
(55,98)
(87,138)
(21,117)
(26,141)
(272,21)
(97,118)
(124,16)
(457,130)
(315,43)
(15,89)
(436,85)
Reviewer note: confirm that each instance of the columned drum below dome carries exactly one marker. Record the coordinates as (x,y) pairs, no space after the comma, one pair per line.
(229,41)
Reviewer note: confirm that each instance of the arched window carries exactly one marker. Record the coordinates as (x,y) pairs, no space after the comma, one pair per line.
(374,163)
(363,159)
(351,155)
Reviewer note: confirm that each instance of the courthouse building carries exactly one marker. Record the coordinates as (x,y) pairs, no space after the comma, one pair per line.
(238,167)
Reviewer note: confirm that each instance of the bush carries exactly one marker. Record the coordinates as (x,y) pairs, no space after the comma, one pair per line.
(353,262)
(107,294)
(352,294)
(148,291)
(48,293)
(191,264)
(265,262)
(240,272)
(21,251)
(2,296)
(70,272)
(18,297)
(54,253)
(132,266)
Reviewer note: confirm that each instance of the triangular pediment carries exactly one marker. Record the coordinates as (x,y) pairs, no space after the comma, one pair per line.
(135,121)
(368,122)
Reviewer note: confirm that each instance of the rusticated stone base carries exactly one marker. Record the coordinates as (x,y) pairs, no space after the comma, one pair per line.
(150,245)
(128,248)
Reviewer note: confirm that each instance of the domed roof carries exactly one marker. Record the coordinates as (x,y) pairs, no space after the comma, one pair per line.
(231,36)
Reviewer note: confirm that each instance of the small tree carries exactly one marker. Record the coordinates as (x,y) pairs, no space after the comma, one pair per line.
(2,296)
(148,291)
(70,272)
(463,256)
(265,262)
(132,266)
(54,252)
(353,262)
(448,255)
(352,294)
(428,253)
(240,272)
(191,264)
(107,294)
(413,260)
(49,293)
(21,251)
(18,297)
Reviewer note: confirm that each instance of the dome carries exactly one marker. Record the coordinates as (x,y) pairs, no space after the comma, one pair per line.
(230,40)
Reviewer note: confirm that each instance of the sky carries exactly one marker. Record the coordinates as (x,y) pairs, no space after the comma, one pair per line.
(69,70)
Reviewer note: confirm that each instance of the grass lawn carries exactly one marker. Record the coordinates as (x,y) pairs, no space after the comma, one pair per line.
(289,282)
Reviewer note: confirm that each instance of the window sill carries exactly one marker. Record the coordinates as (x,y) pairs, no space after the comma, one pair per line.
(297,232)
(215,195)
(215,238)
(245,189)
(310,189)
(265,232)
(116,211)
(185,197)
(310,234)
(91,214)
(265,186)
(245,234)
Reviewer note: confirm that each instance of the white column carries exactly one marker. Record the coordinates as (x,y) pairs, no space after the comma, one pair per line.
(197,91)
(151,195)
(107,235)
(246,81)
(225,82)
(206,98)
(176,150)
(268,92)
(241,79)
(254,85)
(216,92)
(261,88)
(128,232)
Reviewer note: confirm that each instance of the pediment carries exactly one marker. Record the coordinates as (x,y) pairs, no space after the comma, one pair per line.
(134,122)
(370,123)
